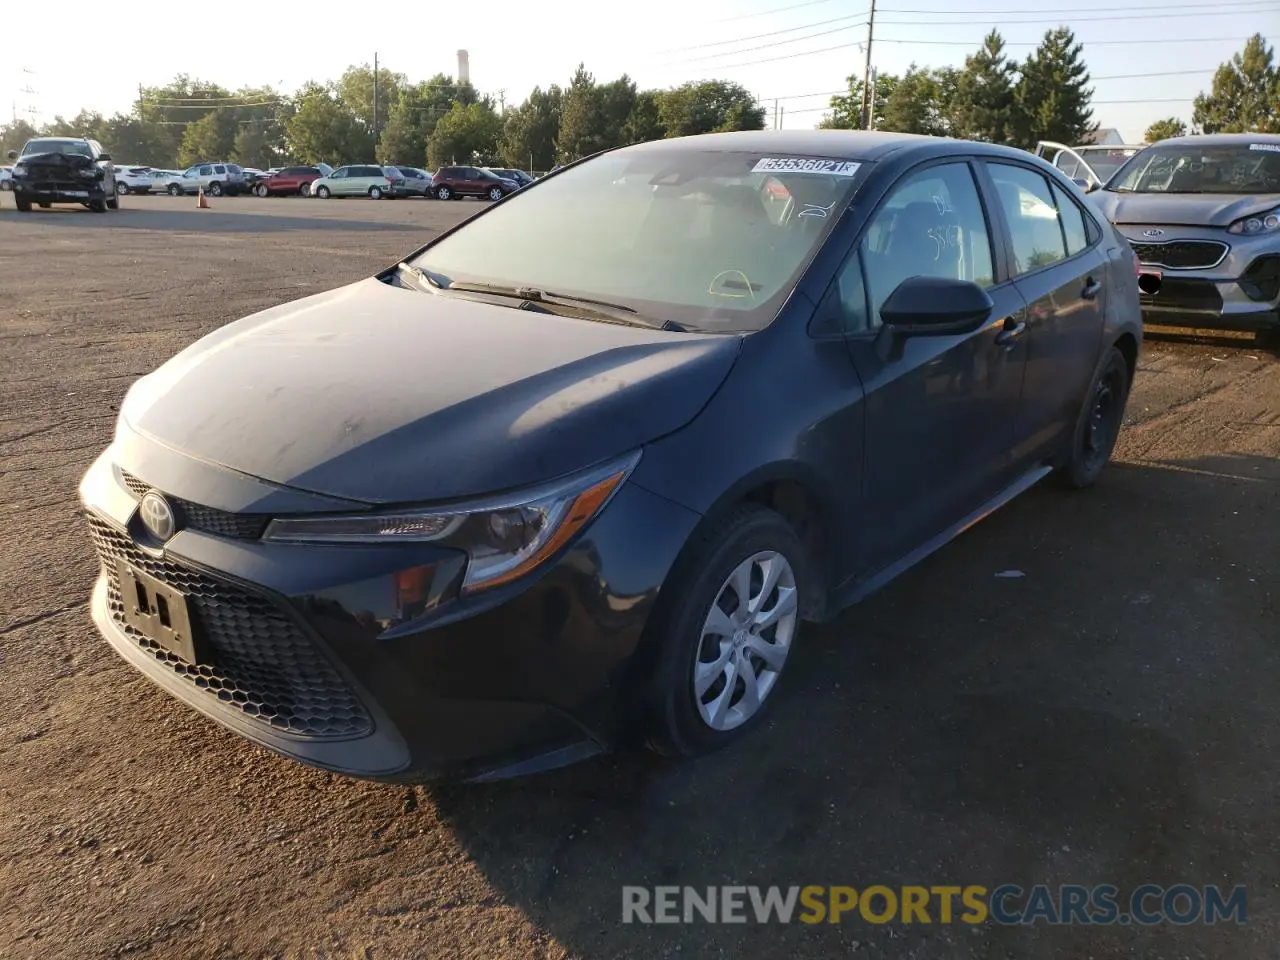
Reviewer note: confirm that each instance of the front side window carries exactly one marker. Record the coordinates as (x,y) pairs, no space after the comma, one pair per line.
(673,233)
(338,174)
(1239,168)
(1035,231)
(931,225)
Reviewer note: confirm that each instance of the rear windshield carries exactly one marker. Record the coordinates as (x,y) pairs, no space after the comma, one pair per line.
(1209,168)
(712,240)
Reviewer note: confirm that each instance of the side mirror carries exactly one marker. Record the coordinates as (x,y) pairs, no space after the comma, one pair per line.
(935,306)
(1082,183)
(13,154)
(104,156)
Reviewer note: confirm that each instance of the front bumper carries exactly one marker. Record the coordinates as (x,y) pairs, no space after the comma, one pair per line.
(70,191)
(318,652)
(1233,288)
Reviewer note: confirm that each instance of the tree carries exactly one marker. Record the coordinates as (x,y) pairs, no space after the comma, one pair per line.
(582,118)
(983,105)
(256,145)
(1052,93)
(846,108)
(1245,97)
(14,135)
(917,103)
(617,103)
(1164,129)
(355,89)
(86,123)
(645,122)
(529,131)
(324,130)
(708,106)
(212,137)
(412,118)
(466,134)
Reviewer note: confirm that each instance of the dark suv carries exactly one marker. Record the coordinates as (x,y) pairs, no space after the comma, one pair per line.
(454,183)
(288,181)
(53,170)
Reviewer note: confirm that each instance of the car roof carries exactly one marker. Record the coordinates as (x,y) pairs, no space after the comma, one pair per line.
(850,144)
(1221,139)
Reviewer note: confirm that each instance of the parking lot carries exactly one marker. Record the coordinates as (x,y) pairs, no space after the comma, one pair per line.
(1111,716)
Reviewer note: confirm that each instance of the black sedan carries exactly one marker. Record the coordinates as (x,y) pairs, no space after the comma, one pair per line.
(572,475)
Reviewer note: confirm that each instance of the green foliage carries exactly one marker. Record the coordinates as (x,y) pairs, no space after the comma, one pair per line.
(1051,98)
(14,135)
(412,118)
(708,106)
(1164,129)
(466,134)
(846,108)
(323,130)
(529,131)
(983,104)
(355,89)
(1245,97)
(918,102)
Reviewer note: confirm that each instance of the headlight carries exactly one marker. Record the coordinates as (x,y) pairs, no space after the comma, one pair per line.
(1268,222)
(19,169)
(503,537)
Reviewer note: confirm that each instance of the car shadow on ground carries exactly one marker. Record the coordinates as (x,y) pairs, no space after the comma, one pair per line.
(1223,339)
(198,221)
(1092,720)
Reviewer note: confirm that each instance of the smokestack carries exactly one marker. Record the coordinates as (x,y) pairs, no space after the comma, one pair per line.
(464,67)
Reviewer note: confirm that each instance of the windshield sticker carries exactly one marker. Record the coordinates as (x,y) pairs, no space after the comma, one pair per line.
(1269,147)
(832,168)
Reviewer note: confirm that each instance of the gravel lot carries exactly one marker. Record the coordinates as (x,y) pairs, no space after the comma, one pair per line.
(1111,717)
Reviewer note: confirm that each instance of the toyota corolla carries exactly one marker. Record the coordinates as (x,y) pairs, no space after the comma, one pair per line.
(572,475)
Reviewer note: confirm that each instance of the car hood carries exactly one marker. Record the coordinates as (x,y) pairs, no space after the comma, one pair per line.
(1181,209)
(376,393)
(64,161)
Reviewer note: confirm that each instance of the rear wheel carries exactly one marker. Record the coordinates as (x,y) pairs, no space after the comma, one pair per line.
(305,190)
(98,206)
(375,193)
(725,631)
(175,190)
(215,189)
(261,190)
(113,203)
(1099,423)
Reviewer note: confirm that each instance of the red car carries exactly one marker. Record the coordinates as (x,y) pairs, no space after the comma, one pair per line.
(288,181)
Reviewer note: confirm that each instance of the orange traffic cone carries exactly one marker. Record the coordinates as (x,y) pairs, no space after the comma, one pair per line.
(202,202)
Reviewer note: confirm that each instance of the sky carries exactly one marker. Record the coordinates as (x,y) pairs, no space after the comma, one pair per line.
(1148,58)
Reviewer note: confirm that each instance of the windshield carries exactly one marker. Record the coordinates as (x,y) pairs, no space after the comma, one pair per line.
(711,240)
(73,148)
(1193,168)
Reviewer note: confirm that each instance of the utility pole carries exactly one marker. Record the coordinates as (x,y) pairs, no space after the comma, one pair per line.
(782,117)
(775,113)
(375,103)
(140,117)
(868,95)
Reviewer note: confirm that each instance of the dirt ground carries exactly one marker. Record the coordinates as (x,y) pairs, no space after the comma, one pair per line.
(1111,717)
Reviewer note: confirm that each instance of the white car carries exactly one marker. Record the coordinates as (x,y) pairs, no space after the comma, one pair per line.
(160,179)
(130,179)
(6,178)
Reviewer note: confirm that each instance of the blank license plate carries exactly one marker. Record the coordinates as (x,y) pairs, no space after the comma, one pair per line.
(159,612)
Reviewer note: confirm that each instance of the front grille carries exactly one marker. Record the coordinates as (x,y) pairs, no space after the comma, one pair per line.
(194,516)
(261,661)
(1182,254)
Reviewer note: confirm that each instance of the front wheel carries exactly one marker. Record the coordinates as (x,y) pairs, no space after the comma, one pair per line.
(375,193)
(495,193)
(724,630)
(122,188)
(1099,424)
(261,190)
(114,202)
(323,193)
(175,190)
(24,205)
(304,190)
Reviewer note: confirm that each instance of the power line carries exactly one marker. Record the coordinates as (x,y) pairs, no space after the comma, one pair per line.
(761,36)
(1091,103)
(776,43)
(1073,20)
(1070,11)
(765,13)
(1088,43)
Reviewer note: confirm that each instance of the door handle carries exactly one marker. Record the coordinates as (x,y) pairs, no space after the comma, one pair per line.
(1091,288)
(1012,330)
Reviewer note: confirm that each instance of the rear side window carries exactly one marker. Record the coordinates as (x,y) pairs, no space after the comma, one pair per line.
(206,171)
(1036,233)
(1072,222)
(219,168)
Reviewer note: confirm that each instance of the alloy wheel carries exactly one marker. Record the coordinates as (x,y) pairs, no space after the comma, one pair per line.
(745,640)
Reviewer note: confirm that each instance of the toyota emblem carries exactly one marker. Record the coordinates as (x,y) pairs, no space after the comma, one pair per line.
(1153,233)
(157,516)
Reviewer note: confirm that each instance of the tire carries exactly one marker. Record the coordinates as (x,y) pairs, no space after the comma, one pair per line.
(323,193)
(24,205)
(1098,425)
(443,193)
(5,185)
(496,194)
(98,206)
(114,202)
(175,190)
(375,193)
(122,188)
(262,191)
(214,189)
(305,189)
(682,722)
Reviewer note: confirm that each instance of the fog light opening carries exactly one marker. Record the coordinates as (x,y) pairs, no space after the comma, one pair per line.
(1149,283)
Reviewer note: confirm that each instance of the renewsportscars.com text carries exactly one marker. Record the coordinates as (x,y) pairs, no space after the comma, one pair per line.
(1008,904)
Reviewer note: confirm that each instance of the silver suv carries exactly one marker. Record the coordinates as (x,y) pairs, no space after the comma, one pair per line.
(215,178)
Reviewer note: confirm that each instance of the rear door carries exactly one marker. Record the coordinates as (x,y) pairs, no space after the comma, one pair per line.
(1059,266)
(940,410)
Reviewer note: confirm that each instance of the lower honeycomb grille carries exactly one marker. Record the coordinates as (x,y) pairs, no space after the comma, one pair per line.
(261,662)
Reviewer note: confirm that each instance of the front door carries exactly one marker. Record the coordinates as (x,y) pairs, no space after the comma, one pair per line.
(940,410)
(1060,267)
